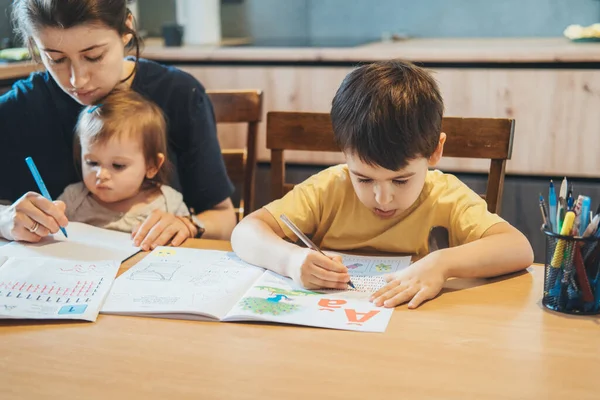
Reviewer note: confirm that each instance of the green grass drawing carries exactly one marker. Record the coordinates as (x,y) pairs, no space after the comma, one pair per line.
(286,292)
(383,267)
(263,306)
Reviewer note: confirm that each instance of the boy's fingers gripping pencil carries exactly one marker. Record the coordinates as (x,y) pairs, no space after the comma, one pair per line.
(305,239)
(41,185)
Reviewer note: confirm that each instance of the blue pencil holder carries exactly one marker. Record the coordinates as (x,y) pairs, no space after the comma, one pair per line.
(572,274)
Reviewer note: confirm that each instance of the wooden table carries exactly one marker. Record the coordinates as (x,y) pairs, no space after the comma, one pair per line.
(481,339)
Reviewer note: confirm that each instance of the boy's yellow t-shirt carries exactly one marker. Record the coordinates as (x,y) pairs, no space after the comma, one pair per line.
(326,208)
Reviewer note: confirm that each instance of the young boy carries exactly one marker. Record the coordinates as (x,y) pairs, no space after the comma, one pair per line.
(387,120)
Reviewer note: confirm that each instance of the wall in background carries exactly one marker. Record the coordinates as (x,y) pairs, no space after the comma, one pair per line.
(368,19)
(449,18)
(153,14)
(5,26)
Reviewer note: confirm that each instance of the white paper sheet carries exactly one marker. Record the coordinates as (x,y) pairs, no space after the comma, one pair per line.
(85,242)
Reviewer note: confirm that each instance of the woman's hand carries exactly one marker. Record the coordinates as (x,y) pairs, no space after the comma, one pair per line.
(162,228)
(31,218)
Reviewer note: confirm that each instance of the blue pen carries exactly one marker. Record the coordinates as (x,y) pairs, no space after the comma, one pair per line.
(41,184)
(552,205)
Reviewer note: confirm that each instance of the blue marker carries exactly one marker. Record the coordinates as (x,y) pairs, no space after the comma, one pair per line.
(41,184)
(584,214)
(552,206)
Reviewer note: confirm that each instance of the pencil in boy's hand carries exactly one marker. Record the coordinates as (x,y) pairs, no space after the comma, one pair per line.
(41,185)
(305,239)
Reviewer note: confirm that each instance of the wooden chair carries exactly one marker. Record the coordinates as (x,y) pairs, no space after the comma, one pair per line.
(484,138)
(240,106)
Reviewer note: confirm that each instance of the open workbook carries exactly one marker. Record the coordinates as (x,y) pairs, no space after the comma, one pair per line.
(49,288)
(215,285)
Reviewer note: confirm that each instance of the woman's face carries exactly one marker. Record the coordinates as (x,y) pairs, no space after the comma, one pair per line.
(87,61)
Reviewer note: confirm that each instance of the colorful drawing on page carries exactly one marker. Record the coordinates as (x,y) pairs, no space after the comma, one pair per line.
(277,302)
(357,267)
(276,298)
(258,305)
(381,267)
(156,272)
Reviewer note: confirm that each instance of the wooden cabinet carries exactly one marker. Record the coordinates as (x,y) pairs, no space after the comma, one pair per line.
(12,72)
(557,122)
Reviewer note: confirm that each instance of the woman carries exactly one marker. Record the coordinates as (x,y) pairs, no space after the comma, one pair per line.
(82,44)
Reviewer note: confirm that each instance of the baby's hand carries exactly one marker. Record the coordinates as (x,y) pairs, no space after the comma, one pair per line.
(422,281)
(160,229)
(313,270)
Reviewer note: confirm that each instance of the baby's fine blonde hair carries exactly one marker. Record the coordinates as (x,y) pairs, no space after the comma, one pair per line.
(125,113)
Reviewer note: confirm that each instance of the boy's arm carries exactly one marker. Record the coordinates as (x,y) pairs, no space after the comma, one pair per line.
(258,239)
(501,250)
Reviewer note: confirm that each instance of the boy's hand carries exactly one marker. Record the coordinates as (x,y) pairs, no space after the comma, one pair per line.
(313,270)
(421,281)
(160,229)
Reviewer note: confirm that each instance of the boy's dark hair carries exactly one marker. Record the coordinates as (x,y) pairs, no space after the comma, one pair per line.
(388,113)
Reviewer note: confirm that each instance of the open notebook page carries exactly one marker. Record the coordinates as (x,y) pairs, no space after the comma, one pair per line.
(275,298)
(85,242)
(182,283)
(49,288)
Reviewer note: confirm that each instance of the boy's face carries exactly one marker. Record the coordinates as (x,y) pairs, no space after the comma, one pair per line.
(115,170)
(389,193)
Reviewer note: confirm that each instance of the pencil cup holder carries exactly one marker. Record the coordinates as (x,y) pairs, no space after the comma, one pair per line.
(571,279)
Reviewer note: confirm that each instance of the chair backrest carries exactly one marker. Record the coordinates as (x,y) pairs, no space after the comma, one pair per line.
(240,106)
(484,138)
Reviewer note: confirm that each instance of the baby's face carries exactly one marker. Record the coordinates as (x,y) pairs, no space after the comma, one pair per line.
(387,193)
(115,170)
